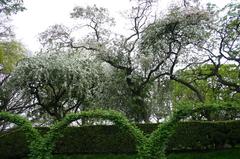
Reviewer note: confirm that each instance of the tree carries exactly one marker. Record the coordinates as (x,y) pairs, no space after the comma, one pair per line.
(223,46)
(161,103)
(10,54)
(10,98)
(212,89)
(9,7)
(55,38)
(153,50)
(57,85)
(216,76)
(100,43)
(10,50)
(220,63)
(216,43)
(215,93)
(93,19)
(158,49)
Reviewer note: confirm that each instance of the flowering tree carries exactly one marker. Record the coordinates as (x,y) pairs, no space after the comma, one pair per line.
(57,85)
(155,50)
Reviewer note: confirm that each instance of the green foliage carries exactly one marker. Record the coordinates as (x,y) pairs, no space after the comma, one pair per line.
(209,86)
(209,111)
(41,147)
(107,139)
(205,135)
(158,140)
(10,54)
(26,126)
(152,146)
(31,133)
(57,130)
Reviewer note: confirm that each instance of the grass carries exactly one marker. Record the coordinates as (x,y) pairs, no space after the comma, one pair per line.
(221,154)
(96,157)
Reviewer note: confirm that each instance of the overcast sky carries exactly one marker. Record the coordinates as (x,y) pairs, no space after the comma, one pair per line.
(42,13)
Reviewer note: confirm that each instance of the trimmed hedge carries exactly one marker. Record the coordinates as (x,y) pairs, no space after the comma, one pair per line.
(109,139)
(205,135)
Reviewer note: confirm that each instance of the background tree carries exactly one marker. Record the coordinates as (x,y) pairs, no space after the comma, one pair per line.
(10,99)
(161,103)
(11,52)
(223,45)
(9,7)
(212,89)
(216,78)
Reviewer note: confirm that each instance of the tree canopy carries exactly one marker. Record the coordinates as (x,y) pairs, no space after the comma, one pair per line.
(190,52)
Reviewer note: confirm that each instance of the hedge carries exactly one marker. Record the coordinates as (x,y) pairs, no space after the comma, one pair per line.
(109,139)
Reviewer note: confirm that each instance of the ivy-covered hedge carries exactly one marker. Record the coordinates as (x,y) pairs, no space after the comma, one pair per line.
(31,135)
(109,139)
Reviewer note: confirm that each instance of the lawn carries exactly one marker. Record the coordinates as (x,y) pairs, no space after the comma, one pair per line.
(223,154)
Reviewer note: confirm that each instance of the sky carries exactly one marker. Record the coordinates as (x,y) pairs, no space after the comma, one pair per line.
(41,14)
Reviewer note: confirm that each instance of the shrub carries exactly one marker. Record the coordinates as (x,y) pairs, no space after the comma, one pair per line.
(152,146)
(194,135)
